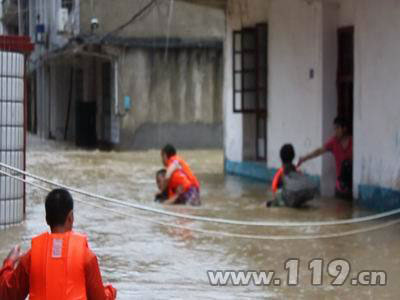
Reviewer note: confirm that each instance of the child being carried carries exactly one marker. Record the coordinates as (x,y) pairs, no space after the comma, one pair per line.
(179,189)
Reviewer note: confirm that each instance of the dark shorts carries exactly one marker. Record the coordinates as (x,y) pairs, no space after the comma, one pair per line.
(344,185)
(191,197)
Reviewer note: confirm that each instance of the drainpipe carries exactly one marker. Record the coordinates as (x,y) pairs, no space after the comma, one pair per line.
(116,78)
(19,18)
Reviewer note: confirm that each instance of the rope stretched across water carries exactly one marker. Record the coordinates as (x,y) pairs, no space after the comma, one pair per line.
(222,233)
(208,219)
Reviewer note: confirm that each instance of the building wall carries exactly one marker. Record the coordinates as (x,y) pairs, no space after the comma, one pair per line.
(173,95)
(174,91)
(303,37)
(294,102)
(166,19)
(377,89)
(329,56)
(295,48)
(50,82)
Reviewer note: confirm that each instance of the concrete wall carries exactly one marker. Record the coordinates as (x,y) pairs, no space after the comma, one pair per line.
(330,16)
(377,90)
(171,94)
(168,18)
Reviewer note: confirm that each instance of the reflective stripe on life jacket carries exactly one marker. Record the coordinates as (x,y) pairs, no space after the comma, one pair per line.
(277,179)
(178,178)
(185,168)
(57,267)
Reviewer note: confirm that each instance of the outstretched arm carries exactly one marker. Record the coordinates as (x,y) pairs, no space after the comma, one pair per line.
(311,155)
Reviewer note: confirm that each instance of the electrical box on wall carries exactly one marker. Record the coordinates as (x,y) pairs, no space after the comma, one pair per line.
(40,34)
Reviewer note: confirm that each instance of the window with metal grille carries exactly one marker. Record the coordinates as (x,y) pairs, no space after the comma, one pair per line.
(250,52)
(250,69)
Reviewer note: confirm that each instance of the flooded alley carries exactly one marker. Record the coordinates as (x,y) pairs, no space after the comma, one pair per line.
(150,261)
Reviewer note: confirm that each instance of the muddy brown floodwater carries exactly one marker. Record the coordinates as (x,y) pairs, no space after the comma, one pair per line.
(150,261)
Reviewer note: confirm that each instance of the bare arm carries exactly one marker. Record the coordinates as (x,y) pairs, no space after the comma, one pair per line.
(174,198)
(311,155)
(14,277)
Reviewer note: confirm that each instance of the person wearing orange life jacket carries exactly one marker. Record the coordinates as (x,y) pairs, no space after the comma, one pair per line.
(174,162)
(59,264)
(179,189)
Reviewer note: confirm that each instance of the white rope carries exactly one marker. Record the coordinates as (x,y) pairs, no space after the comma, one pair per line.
(222,233)
(208,219)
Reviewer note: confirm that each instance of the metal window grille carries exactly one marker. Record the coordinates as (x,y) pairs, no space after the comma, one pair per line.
(13,51)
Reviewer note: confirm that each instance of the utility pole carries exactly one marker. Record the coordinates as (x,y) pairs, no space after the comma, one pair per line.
(20,29)
(1,17)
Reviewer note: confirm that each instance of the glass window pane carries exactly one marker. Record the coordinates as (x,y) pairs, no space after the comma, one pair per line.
(238,62)
(261,147)
(238,42)
(238,81)
(238,101)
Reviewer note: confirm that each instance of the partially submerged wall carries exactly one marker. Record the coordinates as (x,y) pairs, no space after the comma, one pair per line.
(377,105)
(176,97)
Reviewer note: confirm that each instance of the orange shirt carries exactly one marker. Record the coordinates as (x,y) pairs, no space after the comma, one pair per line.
(178,178)
(185,168)
(14,284)
(277,180)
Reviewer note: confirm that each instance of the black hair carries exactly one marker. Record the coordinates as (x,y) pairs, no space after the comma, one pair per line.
(161,172)
(341,121)
(169,150)
(287,153)
(59,204)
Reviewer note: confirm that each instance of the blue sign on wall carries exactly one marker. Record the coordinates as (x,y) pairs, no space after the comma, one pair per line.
(127,103)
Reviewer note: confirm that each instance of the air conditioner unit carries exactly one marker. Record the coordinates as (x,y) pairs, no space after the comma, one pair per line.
(63,17)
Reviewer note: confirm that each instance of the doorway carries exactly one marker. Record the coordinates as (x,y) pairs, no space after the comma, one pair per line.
(345,74)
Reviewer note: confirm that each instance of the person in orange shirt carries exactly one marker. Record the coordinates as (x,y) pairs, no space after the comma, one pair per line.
(59,265)
(173,162)
(179,188)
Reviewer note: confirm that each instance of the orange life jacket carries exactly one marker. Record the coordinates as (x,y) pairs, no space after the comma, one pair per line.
(178,178)
(57,267)
(185,168)
(277,178)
